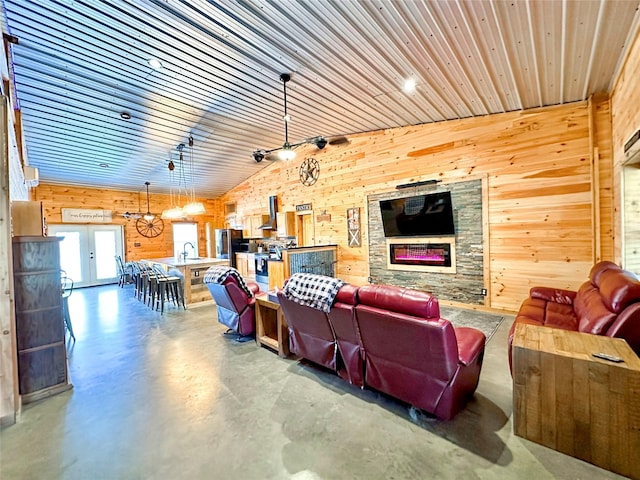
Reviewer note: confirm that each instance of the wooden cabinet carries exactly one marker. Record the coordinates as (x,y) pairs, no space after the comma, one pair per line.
(40,335)
(276,274)
(568,400)
(251,226)
(241,264)
(271,326)
(251,267)
(286,224)
(246,265)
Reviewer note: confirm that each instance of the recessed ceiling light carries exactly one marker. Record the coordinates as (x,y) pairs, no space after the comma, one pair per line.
(155,63)
(409,85)
(125,115)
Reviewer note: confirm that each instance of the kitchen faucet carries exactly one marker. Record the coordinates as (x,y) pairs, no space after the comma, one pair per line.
(184,249)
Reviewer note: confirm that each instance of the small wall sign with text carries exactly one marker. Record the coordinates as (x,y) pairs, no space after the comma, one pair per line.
(82,215)
(305,207)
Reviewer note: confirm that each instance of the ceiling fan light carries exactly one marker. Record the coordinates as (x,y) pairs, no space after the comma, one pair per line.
(321,142)
(287,154)
(194,208)
(258,156)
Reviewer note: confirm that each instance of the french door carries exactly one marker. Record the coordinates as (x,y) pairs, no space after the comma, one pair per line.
(87,253)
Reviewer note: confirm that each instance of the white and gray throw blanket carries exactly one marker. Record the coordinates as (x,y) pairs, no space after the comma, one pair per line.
(219,273)
(311,290)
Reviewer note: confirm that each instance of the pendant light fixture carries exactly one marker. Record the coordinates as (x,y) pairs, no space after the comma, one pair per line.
(186,182)
(148,216)
(174,212)
(192,207)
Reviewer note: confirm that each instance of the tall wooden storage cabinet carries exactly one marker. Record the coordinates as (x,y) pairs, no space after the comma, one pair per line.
(42,355)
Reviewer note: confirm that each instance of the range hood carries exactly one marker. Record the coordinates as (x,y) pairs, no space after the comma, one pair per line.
(273,209)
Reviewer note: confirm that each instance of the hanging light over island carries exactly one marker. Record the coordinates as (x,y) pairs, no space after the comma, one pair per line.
(192,207)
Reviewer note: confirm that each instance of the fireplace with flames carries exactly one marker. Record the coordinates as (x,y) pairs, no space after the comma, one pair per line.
(421,254)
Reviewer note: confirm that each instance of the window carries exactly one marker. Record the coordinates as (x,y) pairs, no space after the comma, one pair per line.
(183,235)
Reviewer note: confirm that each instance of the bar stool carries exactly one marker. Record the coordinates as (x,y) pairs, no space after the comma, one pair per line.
(137,279)
(124,271)
(166,287)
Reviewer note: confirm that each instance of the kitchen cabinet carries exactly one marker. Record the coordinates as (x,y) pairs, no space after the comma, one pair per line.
(40,336)
(241,264)
(251,226)
(276,274)
(286,224)
(251,267)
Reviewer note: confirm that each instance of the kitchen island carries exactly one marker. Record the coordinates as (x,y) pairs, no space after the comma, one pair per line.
(192,271)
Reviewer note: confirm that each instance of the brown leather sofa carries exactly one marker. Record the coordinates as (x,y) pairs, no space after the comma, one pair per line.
(391,339)
(608,303)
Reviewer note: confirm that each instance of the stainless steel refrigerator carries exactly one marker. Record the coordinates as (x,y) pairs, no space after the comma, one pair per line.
(228,243)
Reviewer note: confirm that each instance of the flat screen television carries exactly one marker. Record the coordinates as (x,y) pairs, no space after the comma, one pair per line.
(420,215)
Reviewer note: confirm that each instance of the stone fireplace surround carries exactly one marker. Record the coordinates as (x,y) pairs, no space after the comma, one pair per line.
(463,286)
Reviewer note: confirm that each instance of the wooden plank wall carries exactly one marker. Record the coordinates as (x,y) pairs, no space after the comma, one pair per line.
(625,119)
(603,176)
(56,197)
(539,208)
(539,202)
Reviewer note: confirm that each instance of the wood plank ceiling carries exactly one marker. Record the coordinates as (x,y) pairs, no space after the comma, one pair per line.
(80,63)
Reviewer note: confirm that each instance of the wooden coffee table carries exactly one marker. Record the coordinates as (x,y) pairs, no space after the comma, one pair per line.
(568,400)
(271,326)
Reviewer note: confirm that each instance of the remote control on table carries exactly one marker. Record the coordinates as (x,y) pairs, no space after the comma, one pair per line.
(606,356)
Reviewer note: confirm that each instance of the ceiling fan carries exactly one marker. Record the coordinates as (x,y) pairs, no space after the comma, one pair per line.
(285,152)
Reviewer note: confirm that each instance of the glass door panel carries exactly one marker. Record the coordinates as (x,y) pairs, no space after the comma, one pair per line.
(105,252)
(87,253)
(70,260)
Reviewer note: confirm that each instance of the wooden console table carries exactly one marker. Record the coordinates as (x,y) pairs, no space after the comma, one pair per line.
(271,327)
(565,399)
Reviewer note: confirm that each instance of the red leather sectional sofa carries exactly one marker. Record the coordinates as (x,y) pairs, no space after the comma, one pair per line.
(391,339)
(608,303)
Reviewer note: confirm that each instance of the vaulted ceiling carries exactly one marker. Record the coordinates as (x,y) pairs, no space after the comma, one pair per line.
(80,63)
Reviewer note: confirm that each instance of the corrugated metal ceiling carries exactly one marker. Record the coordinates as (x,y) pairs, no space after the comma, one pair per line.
(79,64)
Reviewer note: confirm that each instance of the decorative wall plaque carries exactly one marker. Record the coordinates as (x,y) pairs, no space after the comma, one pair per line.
(84,215)
(353,226)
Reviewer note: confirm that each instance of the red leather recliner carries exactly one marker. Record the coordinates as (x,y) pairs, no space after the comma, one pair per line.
(413,354)
(606,304)
(330,340)
(310,334)
(235,308)
(342,320)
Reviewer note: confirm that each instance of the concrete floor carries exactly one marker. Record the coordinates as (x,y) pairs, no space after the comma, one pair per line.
(170,397)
